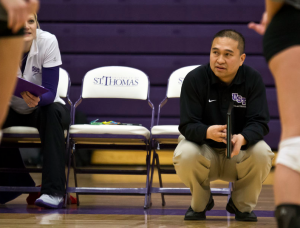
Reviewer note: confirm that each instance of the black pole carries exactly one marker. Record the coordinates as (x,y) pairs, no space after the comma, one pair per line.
(229,130)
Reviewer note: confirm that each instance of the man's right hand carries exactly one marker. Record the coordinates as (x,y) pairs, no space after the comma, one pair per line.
(18,11)
(217,133)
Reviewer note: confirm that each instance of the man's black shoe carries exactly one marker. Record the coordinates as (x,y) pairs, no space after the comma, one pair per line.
(192,215)
(240,216)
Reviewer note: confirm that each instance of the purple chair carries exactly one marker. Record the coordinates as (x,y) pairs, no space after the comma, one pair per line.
(119,83)
(28,137)
(167,137)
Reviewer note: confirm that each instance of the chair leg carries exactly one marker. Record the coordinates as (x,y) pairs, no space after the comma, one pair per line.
(68,173)
(152,169)
(160,179)
(147,202)
(230,187)
(75,173)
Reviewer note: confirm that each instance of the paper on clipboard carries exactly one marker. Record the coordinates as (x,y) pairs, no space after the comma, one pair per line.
(23,85)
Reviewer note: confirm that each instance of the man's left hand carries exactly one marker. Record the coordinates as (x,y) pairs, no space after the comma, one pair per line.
(237,142)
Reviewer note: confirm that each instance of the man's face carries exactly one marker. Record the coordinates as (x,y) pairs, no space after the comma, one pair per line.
(225,58)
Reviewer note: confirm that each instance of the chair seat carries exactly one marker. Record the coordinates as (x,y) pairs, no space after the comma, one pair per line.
(23,132)
(165,134)
(21,135)
(108,133)
(165,130)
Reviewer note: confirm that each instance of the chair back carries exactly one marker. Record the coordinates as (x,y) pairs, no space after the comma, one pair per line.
(115,82)
(176,80)
(63,83)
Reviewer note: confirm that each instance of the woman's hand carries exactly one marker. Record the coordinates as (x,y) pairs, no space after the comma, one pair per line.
(18,11)
(31,100)
(260,28)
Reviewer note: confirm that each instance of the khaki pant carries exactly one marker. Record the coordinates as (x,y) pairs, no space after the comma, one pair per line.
(198,165)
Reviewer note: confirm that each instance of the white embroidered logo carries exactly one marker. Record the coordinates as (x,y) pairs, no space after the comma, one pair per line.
(211,100)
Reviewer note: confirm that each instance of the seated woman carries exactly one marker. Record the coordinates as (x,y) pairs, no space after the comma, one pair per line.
(48,113)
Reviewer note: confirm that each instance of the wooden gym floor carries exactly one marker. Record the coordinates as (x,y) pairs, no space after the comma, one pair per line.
(127,211)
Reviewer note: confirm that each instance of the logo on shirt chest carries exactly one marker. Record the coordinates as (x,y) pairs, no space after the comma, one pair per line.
(239,99)
(35,69)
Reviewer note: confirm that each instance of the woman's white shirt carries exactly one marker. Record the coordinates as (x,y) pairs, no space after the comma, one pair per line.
(44,52)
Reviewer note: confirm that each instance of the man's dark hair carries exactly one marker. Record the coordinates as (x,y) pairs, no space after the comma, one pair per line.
(230,33)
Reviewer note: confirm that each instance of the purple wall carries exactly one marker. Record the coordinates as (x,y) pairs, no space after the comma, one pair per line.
(155,36)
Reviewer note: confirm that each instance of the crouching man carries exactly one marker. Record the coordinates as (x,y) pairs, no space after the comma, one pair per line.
(200,156)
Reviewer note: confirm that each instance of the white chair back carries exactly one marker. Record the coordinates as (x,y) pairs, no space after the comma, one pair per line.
(176,80)
(63,83)
(115,82)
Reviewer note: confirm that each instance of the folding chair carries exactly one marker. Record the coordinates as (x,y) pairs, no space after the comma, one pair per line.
(167,135)
(28,137)
(121,83)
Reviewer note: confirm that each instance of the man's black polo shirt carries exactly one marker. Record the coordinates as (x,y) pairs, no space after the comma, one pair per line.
(205,99)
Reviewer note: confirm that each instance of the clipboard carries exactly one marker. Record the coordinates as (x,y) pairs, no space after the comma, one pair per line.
(23,85)
(229,130)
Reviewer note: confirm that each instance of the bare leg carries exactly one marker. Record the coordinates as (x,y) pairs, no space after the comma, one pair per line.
(285,69)
(10,54)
